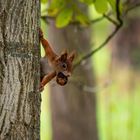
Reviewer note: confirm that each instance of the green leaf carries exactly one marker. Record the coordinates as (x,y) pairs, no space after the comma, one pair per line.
(83,19)
(44,1)
(44,13)
(112,4)
(101,6)
(87,1)
(64,17)
(55,6)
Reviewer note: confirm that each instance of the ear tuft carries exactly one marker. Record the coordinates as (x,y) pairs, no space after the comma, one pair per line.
(72,56)
(64,55)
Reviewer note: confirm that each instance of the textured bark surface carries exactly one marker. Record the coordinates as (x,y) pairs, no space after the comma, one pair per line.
(73,106)
(19,70)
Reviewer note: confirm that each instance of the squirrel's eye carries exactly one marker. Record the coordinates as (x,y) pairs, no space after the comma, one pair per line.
(64,65)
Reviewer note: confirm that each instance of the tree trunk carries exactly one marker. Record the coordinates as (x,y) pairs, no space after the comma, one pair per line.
(19,70)
(74,105)
(126,55)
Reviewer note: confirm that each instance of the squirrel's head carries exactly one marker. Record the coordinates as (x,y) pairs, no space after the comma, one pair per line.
(63,67)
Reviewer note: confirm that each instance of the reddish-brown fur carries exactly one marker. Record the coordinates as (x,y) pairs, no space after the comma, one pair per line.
(62,65)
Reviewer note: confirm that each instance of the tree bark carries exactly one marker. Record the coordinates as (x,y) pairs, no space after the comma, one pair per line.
(19,70)
(74,105)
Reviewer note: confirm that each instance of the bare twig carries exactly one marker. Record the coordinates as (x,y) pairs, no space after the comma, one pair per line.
(118,14)
(97,20)
(47,18)
(132,7)
(110,19)
(99,47)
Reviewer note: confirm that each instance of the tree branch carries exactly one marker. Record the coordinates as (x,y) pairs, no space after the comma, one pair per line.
(132,7)
(99,47)
(110,19)
(47,18)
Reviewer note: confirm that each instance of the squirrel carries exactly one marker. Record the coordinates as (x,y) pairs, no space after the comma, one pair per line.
(61,65)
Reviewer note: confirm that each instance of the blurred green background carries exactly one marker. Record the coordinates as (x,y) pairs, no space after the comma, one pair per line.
(118,106)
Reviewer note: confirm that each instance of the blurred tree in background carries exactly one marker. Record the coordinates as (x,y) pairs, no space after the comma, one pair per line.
(118,103)
(73,107)
(125,72)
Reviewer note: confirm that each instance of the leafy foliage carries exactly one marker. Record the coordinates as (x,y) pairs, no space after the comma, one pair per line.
(69,11)
(113,4)
(44,1)
(64,17)
(101,6)
(86,1)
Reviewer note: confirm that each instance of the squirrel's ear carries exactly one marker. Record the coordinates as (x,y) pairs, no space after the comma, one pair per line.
(64,55)
(72,56)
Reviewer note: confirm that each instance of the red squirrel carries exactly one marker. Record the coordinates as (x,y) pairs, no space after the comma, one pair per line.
(61,65)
